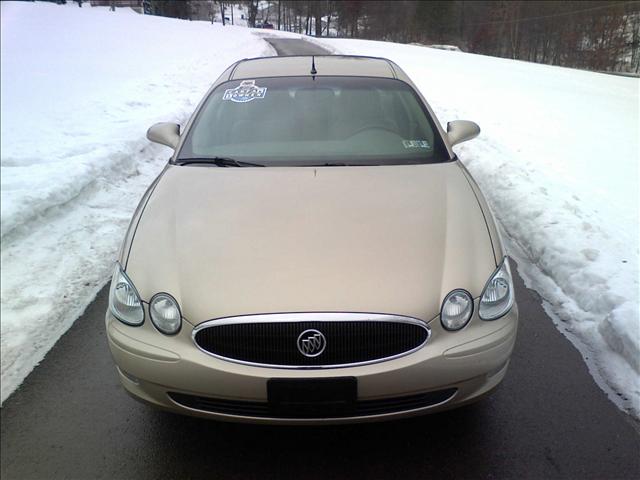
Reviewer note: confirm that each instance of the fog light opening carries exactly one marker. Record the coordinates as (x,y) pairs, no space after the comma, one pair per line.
(128,376)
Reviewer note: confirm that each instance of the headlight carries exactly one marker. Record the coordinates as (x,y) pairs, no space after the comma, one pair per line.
(456,310)
(165,313)
(497,297)
(124,301)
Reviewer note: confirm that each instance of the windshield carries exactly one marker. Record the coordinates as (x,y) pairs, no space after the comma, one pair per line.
(322,121)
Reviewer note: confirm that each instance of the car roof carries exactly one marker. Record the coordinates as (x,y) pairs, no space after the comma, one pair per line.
(300,65)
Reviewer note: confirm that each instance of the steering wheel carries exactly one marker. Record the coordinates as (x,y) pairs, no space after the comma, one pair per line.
(372,127)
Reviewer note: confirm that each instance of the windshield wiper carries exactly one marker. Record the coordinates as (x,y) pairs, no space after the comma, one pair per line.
(218,161)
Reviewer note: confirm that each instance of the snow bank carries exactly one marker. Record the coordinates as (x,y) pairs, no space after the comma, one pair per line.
(558,161)
(80,86)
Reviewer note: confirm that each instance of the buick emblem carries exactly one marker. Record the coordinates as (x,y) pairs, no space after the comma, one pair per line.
(311,343)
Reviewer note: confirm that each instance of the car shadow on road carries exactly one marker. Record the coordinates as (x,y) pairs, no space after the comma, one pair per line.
(395,448)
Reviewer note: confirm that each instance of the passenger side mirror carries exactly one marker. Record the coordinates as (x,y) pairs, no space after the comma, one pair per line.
(165,133)
(460,131)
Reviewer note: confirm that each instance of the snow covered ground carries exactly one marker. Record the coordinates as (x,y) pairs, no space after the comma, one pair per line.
(80,86)
(558,162)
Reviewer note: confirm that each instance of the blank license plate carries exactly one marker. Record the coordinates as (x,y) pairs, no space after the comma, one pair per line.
(311,397)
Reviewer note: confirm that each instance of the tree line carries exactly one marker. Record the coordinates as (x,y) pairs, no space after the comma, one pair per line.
(593,35)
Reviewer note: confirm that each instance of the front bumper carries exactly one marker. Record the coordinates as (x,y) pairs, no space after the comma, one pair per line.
(164,371)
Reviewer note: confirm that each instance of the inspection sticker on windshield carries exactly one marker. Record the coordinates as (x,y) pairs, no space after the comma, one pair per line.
(416,144)
(245,92)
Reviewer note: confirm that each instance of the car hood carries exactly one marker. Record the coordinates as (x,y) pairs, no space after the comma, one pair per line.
(238,241)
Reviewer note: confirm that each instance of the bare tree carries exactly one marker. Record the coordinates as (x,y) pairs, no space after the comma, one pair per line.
(592,34)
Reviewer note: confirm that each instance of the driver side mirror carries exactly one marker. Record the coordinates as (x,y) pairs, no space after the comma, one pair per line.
(165,134)
(460,131)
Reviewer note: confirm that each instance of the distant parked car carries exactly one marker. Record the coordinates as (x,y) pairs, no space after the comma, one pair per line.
(267,25)
(332,263)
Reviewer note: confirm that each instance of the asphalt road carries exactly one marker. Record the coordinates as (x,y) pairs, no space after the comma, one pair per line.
(71,419)
(286,46)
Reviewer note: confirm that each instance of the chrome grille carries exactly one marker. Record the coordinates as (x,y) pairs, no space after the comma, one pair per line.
(349,339)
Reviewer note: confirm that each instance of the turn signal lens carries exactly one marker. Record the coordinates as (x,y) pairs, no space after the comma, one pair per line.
(124,301)
(497,297)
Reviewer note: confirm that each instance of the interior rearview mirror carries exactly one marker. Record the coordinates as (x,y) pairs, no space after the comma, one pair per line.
(460,131)
(165,133)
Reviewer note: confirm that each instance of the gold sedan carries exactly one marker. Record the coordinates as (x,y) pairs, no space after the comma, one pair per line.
(313,252)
